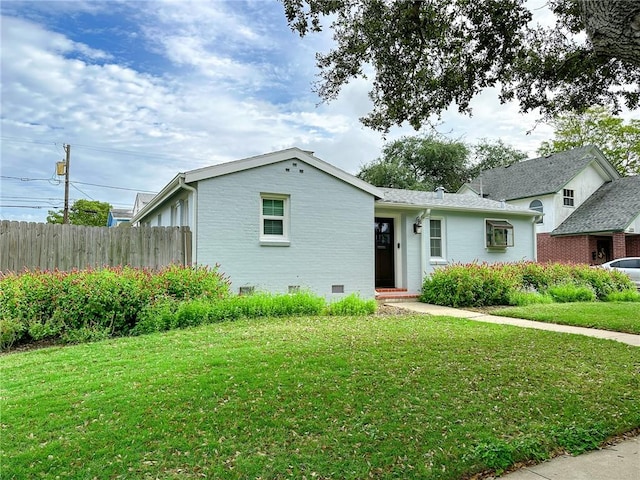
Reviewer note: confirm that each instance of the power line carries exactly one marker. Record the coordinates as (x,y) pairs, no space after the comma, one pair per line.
(84,193)
(27,179)
(117,188)
(26,206)
(26,140)
(96,148)
(51,200)
(34,199)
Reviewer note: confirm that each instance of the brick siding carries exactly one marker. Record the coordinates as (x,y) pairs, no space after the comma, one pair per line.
(633,246)
(579,248)
(573,249)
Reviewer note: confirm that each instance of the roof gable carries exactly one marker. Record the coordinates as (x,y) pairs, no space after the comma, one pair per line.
(275,157)
(540,176)
(236,166)
(611,208)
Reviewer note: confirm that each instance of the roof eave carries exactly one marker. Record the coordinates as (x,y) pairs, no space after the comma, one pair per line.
(588,232)
(169,189)
(411,206)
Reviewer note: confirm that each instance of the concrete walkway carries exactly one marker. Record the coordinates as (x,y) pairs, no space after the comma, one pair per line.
(614,462)
(419,307)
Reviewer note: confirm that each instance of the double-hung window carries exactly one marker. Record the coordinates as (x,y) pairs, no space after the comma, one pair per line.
(274,219)
(436,247)
(567,197)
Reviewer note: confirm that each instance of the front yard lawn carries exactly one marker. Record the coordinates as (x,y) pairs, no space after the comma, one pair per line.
(615,316)
(313,397)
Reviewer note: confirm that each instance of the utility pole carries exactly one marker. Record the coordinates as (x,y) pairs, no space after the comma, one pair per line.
(65,217)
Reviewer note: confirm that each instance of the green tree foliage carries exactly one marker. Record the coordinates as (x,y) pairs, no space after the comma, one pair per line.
(491,154)
(425,56)
(83,212)
(619,141)
(427,162)
(419,163)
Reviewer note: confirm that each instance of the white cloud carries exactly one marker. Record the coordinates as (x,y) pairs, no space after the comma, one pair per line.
(229,81)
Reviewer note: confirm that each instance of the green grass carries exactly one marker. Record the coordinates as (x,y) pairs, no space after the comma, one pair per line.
(615,316)
(315,397)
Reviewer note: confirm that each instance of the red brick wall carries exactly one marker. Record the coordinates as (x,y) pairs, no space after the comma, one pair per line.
(633,246)
(619,245)
(575,249)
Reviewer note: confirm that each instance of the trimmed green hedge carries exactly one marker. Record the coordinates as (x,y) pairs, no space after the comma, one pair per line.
(483,284)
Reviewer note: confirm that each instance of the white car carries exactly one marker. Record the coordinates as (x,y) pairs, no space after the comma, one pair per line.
(628,265)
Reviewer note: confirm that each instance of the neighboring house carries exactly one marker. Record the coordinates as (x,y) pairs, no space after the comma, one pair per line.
(117,216)
(591,214)
(141,200)
(287,220)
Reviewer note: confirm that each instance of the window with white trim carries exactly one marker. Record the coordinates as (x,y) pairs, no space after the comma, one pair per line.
(436,247)
(499,234)
(274,218)
(567,197)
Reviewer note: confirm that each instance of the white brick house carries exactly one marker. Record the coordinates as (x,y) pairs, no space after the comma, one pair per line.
(288,220)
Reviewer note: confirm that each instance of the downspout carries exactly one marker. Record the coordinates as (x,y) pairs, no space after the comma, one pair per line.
(423,246)
(194,222)
(534,220)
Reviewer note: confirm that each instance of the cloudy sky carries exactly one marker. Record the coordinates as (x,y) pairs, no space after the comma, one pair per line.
(142,90)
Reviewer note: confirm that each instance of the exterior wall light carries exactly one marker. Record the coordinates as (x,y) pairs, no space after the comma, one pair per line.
(417,226)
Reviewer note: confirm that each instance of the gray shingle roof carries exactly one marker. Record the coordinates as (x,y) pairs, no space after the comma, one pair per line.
(121,213)
(611,208)
(538,176)
(450,201)
(145,197)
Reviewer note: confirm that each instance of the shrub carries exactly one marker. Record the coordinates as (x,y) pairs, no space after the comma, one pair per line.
(470,285)
(156,317)
(299,303)
(623,296)
(352,305)
(11,330)
(193,282)
(93,304)
(603,282)
(167,313)
(521,298)
(478,285)
(569,292)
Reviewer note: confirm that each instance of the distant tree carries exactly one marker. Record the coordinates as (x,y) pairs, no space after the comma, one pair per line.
(391,173)
(419,163)
(426,56)
(488,154)
(83,212)
(619,141)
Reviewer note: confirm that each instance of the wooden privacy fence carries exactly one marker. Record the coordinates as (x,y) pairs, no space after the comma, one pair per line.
(50,246)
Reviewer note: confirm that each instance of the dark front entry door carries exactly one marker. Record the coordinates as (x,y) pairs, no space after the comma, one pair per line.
(385,253)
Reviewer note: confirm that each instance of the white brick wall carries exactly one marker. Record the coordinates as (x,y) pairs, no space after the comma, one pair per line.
(331,231)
